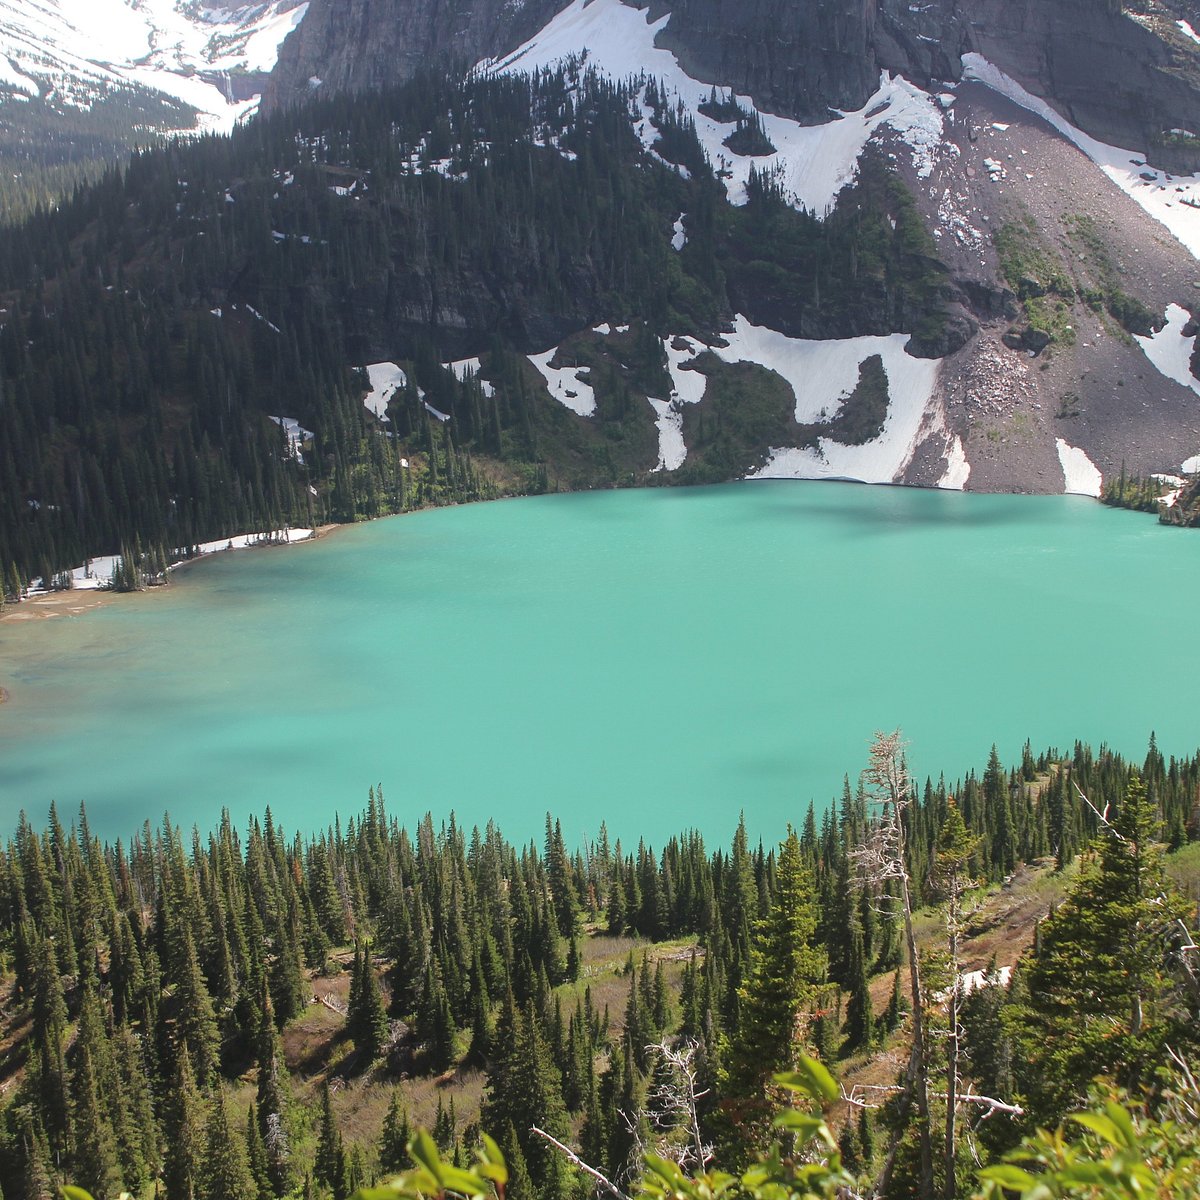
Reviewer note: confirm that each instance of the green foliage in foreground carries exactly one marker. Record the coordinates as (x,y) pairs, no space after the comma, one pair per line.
(1122,1154)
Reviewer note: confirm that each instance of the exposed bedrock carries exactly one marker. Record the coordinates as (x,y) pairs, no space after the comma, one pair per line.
(1125,77)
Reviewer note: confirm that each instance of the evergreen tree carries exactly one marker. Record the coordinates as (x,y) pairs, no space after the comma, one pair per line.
(1102,997)
(393,1141)
(329,1166)
(224,1173)
(272,1107)
(367,1015)
(784,970)
(256,1160)
(860,1020)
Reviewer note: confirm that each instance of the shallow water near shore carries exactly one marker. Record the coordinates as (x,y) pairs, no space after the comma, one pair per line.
(656,659)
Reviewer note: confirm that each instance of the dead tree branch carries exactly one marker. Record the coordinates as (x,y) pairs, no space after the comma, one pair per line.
(602,1179)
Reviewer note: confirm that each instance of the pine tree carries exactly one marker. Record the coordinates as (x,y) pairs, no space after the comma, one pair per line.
(895,1009)
(952,858)
(393,1141)
(224,1173)
(783,972)
(329,1167)
(860,1020)
(1101,995)
(94,1161)
(367,1015)
(273,1104)
(256,1160)
(195,1023)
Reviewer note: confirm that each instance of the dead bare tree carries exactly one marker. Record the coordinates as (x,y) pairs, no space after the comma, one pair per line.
(878,861)
(676,1094)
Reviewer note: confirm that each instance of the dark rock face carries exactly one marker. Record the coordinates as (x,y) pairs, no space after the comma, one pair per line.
(1108,72)
(1105,70)
(797,58)
(353,45)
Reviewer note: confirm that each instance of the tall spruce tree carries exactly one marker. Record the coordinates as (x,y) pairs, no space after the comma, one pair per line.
(784,970)
(224,1173)
(1104,990)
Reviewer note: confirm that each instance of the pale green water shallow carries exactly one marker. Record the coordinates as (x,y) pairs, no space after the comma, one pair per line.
(657,659)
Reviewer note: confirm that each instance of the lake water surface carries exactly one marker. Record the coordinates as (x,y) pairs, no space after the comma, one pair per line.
(658,659)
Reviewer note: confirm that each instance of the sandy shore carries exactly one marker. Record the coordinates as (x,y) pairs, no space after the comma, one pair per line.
(75,603)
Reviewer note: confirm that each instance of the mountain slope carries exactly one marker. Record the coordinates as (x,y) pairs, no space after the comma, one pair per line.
(82,83)
(578,265)
(71,55)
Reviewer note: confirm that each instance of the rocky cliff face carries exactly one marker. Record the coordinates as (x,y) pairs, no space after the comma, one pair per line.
(1124,76)
(352,45)
(795,58)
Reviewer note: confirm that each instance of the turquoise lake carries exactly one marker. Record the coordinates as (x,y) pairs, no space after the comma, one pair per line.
(657,659)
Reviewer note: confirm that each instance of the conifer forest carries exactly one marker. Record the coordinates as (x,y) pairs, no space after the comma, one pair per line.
(254,1014)
(159,317)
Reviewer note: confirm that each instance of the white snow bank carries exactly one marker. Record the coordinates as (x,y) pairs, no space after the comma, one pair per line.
(465,367)
(821,373)
(671,449)
(97,572)
(566,384)
(1171,353)
(678,233)
(814,162)
(1161,195)
(386,380)
(260,50)
(882,461)
(958,470)
(1169,350)
(1188,31)
(296,434)
(687,386)
(1081,476)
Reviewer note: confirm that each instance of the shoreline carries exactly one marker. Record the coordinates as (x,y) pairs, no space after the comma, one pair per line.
(75,602)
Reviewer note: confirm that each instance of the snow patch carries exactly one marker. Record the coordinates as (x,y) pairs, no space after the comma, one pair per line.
(1168,199)
(671,449)
(464,368)
(96,573)
(822,374)
(566,384)
(1081,476)
(687,387)
(386,380)
(83,49)
(1169,350)
(958,470)
(296,434)
(812,162)
(678,233)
